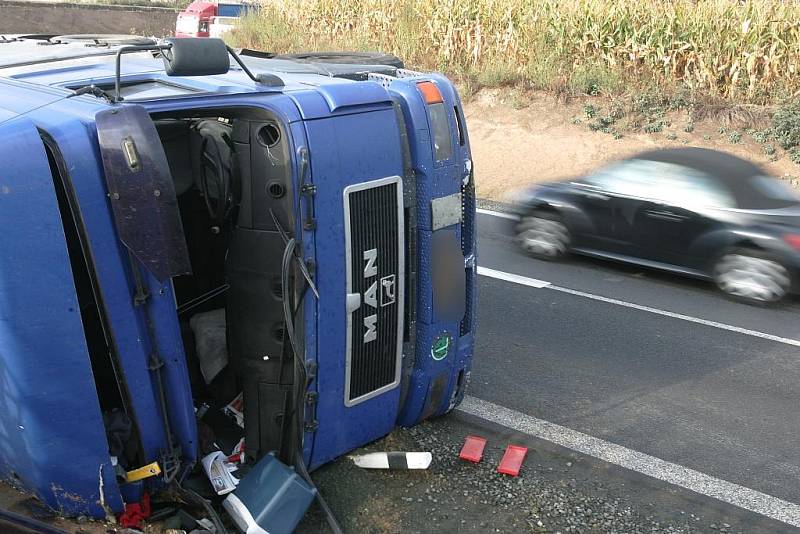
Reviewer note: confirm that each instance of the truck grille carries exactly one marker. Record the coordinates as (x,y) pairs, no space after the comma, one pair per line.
(375,270)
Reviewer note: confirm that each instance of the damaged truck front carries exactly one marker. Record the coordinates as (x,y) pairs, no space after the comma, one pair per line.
(178,228)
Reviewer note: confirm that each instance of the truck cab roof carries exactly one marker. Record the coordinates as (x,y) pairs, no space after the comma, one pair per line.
(64,64)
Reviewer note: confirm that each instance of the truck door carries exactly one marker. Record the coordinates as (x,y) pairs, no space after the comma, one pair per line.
(52,437)
(147,222)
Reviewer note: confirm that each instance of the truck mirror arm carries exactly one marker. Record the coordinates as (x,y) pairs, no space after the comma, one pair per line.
(118,60)
(264,79)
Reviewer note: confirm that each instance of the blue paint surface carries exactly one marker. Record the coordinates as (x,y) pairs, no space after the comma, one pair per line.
(51,431)
(52,438)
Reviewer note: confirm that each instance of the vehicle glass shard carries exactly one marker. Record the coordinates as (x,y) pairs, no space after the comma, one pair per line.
(141,191)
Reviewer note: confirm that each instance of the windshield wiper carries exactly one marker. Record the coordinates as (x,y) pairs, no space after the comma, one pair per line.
(94,91)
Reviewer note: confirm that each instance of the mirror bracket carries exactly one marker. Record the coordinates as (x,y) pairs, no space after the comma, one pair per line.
(172,44)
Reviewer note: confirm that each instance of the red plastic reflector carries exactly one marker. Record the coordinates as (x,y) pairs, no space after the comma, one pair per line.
(430,92)
(793,240)
(472,451)
(512,460)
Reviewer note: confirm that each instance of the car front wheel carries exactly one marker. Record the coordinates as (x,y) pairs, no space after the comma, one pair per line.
(752,277)
(543,235)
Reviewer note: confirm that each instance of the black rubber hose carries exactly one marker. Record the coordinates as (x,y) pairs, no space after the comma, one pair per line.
(301,385)
(192,497)
(29,523)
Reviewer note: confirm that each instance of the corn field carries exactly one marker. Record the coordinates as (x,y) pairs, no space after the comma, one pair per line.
(744,51)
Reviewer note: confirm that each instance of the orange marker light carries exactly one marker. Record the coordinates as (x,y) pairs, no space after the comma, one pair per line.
(430,92)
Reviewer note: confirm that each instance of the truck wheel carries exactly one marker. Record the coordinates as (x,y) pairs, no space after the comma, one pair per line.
(349,58)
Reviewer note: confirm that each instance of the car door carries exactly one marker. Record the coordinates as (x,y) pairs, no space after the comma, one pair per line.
(681,208)
(610,198)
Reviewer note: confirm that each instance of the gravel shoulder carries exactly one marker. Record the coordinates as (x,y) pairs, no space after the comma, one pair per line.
(557,491)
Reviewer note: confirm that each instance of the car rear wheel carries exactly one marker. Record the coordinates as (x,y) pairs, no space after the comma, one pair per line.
(752,277)
(543,235)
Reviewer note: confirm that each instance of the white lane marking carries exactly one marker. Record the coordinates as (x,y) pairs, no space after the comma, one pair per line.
(514,278)
(498,214)
(743,497)
(532,282)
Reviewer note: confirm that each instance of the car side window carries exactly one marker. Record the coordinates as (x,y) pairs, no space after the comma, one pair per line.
(687,187)
(669,183)
(630,178)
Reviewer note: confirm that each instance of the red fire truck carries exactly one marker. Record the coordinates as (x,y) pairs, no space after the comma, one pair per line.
(209,19)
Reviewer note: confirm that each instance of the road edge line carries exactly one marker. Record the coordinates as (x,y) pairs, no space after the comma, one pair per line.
(540,284)
(513,278)
(677,475)
(499,214)
(675,315)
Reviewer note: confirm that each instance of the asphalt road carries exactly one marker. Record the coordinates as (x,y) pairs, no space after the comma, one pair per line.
(695,393)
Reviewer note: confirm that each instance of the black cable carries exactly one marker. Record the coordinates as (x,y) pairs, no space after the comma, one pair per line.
(288,253)
(194,497)
(202,299)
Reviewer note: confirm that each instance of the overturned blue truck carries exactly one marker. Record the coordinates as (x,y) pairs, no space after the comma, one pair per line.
(181,222)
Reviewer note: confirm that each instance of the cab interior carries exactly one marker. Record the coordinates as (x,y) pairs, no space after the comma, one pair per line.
(233,176)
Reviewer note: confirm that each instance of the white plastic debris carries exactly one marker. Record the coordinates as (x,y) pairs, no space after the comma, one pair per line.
(219,472)
(393,460)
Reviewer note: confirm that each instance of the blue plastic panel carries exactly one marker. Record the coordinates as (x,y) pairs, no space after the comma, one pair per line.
(52,439)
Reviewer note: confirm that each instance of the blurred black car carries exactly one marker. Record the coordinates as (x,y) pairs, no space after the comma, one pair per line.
(693,211)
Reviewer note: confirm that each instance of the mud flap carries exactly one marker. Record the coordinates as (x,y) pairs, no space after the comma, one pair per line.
(52,438)
(141,191)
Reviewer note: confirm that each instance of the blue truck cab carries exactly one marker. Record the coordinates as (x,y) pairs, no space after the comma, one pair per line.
(181,224)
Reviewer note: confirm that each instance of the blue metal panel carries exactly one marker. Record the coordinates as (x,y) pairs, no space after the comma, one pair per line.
(78,145)
(346,150)
(77,142)
(435,179)
(165,341)
(52,438)
(310,305)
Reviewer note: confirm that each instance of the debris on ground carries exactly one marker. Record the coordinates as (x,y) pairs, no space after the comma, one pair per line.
(472,451)
(135,513)
(393,460)
(458,496)
(272,498)
(220,472)
(511,462)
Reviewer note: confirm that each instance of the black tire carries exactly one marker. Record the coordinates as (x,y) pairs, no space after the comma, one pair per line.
(752,276)
(346,58)
(543,235)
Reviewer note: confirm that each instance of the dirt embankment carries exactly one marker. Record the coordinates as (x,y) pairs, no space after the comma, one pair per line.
(63,18)
(520,142)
